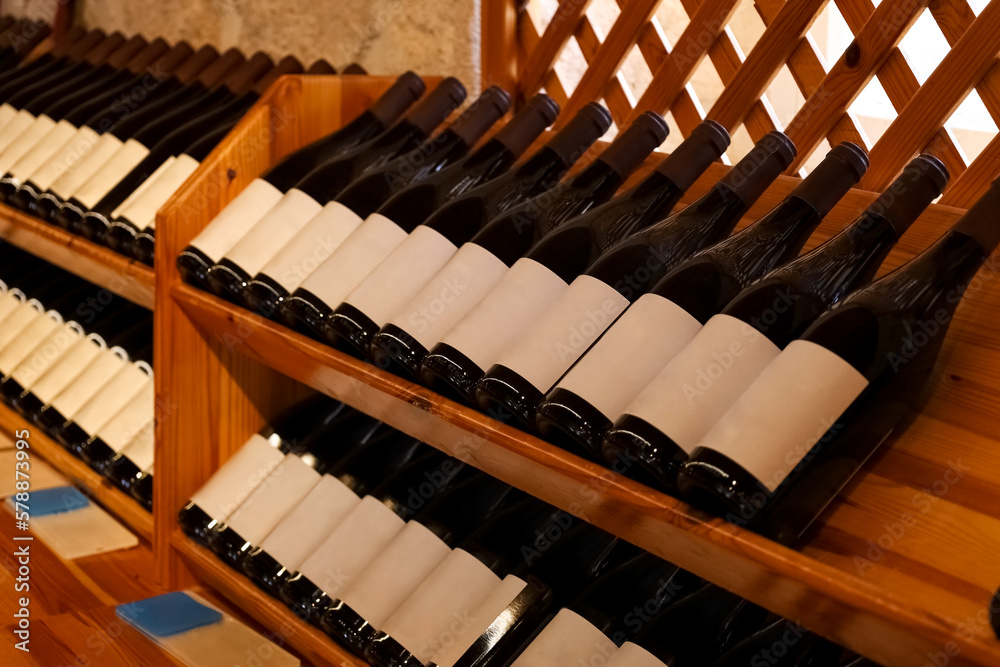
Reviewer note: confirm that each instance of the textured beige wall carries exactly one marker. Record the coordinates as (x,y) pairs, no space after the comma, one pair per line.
(385,36)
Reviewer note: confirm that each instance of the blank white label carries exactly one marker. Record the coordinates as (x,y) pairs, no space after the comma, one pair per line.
(21,121)
(9,302)
(227,228)
(19,321)
(111,398)
(703,381)
(141,210)
(568,640)
(22,346)
(7,113)
(312,246)
(518,301)
(460,636)
(76,174)
(273,498)
(629,354)
(43,150)
(356,257)
(46,353)
(308,524)
(238,477)
(25,141)
(449,295)
(140,450)
(786,411)
(397,571)
(445,599)
(565,330)
(274,230)
(66,370)
(145,185)
(633,655)
(110,173)
(401,275)
(352,546)
(98,374)
(64,158)
(118,431)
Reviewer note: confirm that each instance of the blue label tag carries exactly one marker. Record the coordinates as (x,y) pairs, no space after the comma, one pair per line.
(168,614)
(55,501)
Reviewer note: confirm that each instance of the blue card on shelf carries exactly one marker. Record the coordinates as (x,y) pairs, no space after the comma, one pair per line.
(167,615)
(56,500)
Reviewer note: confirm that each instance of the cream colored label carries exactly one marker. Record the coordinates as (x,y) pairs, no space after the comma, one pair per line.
(519,300)
(236,219)
(630,354)
(445,598)
(312,246)
(308,524)
(111,398)
(702,382)
(7,113)
(22,346)
(113,171)
(352,546)
(401,275)
(140,450)
(786,411)
(46,354)
(461,635)
(118,431)
(64,158)
(43,150)
(274,230)
(567,640)
(395,573)
(238,477)
(66,369)
(25,141)
(22,121)
(566,329)
(76,395)
(450,294)
(354,259)
(141,210)
(10,302)
(633,655)
(275,497)
(18,321)
(75,175)
(145,185)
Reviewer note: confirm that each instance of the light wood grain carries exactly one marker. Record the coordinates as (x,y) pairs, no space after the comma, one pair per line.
(537,68)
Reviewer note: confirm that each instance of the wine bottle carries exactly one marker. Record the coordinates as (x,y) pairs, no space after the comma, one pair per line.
(583,405)
(111,436)
(284,549)
(288,218)
(265,191)
(380,291)
(368,529)
(248,467)
(131,470)
(867,361)
(668,418)
(579,307)
(435,308)
(500,243)
(67,50)
(364,605)
(396,190)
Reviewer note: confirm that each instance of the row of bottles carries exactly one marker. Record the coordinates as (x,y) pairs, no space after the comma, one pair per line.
(411,558)
(650,340)
(18,37)
(77,361)
(99,132)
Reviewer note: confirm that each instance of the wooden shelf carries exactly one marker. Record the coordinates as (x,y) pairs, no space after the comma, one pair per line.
(124,507)
(101,266)
(308,641)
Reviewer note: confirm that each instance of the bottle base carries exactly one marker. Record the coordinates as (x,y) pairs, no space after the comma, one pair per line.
(644,453)
(193,265)
(344,624)
(144,247)
(196,524)
(120,235)
(304,312)
(69,216)
(10,391)
(227,281)
(568,421)
(713,482)
(384,651)
(509,398)
(94,226)
(46,205)
(304,598)
(141,488)
(28,405)
(347,326)
(396,351)
(264,296)
(451,374)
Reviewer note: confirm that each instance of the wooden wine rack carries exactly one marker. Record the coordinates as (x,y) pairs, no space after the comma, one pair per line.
(902,565)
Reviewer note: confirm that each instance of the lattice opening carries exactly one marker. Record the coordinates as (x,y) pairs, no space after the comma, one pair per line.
(740,145)
(603,14)
(570,66)
(613,130)
(972,126)
(673,20)
(831,35)
(785,97)
(706,83)
(747,27)
(541,12)
(924,46)
(636,72)
(978,5)
(874,111)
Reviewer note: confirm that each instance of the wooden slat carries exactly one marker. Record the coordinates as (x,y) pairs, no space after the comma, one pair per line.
(962,68)
(778,42)
(616,94)
(603,69)
(829,103)
(536,68)
(974,181)
(499,44)
(527,41)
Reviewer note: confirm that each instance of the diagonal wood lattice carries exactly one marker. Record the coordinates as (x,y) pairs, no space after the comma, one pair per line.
(526,61)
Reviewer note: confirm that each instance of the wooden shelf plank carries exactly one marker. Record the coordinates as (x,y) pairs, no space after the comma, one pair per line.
(894,624)
(102,266)
(308,641)
(124,507)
